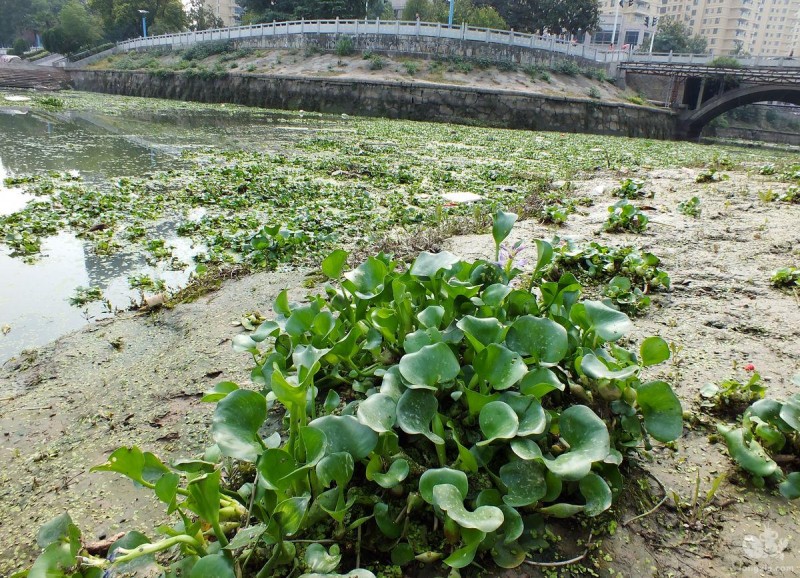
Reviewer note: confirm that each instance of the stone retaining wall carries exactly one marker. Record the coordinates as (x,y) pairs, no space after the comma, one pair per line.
(388,99)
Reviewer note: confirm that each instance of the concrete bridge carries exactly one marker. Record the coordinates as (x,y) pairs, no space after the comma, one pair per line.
(701,93)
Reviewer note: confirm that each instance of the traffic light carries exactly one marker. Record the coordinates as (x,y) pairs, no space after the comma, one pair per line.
(622,3)
(630,3)
(655,19)
(647,21)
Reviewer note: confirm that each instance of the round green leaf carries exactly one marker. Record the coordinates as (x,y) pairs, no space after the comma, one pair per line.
(433,477)
(481,331)
(429,264)
(748,453)
(415,411)
(502,223)
(431,316)
(588,439)
(653,351)
(597,494)
(790,487)
(662,411)
(497,421)
(345,434)
(337,467)
(318,559)
(465,555)
(539,382)
(534,419)
(541,338)
(526,449)
(290,514)
(430,365)
(525,482)
(367,280)
(608,323)
(562,510)
(500,366)
(378,411)
(213,566)
(276,467)
(508,554)
(450,500)
(333,264)
(790,412)
(594,367)
(236,422)
(397,472)
(386,522)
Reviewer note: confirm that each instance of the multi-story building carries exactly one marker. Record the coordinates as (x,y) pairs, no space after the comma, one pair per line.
(758,27)
(227,10)
(634,23)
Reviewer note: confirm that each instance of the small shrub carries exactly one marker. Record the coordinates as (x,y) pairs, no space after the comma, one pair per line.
(725,62)
(631,189)
(568,67)
(463,66)
(251,68)
(344,46)
(411,67)
(732,395)
(594,93)
(637,99)
(51,102)
(367,54)
(690,208)
(786,277)
(768,169)
(506,66)
(19,47)
(623,216)
(710,176)
(203,50)
(376,62)
(546,77)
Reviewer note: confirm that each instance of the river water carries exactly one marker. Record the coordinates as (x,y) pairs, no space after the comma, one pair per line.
(34,297)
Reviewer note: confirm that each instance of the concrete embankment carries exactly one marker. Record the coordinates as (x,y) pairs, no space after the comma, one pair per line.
(390,99)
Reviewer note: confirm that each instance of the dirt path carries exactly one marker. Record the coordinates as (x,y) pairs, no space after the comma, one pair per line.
(137,380)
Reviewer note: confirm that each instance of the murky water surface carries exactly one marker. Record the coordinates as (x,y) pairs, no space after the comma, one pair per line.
(34,297)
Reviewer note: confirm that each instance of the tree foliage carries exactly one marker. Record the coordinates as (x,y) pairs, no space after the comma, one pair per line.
(553,16)
(675,36)
(201,18)
(121,18)
(76,29)
(465,11)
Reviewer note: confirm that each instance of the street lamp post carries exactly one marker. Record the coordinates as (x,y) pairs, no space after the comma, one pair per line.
(144,14)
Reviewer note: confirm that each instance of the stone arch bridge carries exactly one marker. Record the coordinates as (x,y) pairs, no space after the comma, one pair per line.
(701,93)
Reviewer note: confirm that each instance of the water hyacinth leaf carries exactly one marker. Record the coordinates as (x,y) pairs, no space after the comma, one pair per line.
(594,367)
(220,390)
(508,554)
(204,497)
(608,323)
(402,554)
(306,358)
(345,434)
(466,554)
(137,566)
(790,487)
(415,411)
(502,223)
(748,453)
(396,473)
(431,316)
(337,467)
(378,411)
(513,526)
(790,412)
(533,421)
(500,366)
(290,514)
(525,481)
(543,339)
(526,449)
(418,339)
(276,467)
(53,561)
(301,319)
(287,389)
(59,529)
(166,490)
(242,343)
(235,424)
(386,522)
(429,264)
(544,256)
(481,331)
(281,304)
(266,329)
(662,411)
(494,295)
(654,350)
(332,400)
(435,476)
(449,499)
(554,487)
(497,421)
(539,382)
(431,365)
(131,462)
(562,510)
(588,441)
(476,400)
(318,559)
(597,494)
(246,536)
(367,280)
(323,324)
(333,264)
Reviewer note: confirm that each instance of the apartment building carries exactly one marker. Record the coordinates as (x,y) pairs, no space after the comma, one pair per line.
(758,27)
(228,10)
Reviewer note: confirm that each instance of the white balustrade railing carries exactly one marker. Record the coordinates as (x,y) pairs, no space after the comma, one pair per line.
(596,53)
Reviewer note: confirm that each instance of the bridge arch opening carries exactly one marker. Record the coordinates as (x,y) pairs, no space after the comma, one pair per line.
(692,124)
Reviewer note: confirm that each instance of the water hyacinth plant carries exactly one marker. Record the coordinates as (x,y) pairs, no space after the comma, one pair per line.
(432,412)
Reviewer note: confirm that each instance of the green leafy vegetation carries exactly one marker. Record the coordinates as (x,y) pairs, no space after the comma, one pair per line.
(624,216)
(632,189)
(786,277)
(411,394)
(344,46)
(690,208)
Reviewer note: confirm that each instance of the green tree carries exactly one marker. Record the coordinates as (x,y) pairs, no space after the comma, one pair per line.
(201,18)
(675,36)
(554,16)
(20,47)
(121,18)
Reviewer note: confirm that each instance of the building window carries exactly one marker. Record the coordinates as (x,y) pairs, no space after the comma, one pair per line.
(632,37)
